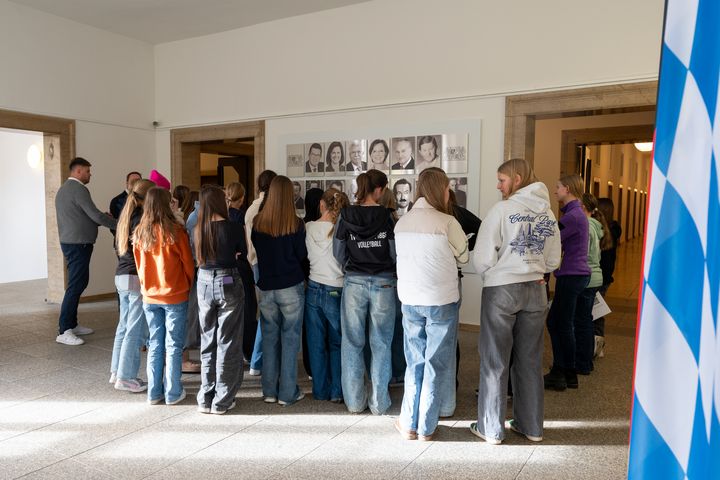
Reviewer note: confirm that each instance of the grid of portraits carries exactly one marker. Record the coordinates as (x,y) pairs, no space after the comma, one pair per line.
(401,158)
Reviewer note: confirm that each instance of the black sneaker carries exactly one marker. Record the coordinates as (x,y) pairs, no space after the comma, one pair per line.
(571,379)
(555,380)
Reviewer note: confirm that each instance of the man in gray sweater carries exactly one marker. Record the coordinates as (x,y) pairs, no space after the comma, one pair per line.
(78,219)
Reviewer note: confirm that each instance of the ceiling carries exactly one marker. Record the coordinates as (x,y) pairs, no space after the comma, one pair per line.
(159,21)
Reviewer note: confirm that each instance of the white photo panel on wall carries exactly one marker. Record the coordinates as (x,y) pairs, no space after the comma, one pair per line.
(402,155)
(455,153)
(352,189)
(314,161)
(403,188)
(379,155)
(336,183)
(357,157)
(459,186)
(335,158)
(429,150)
(295,160)
(298,193)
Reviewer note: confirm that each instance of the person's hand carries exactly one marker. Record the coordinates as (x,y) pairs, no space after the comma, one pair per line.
(541,281)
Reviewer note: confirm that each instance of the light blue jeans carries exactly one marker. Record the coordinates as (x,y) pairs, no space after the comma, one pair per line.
(131,331)
(367,298)
(167,335)
(282,314)
(256,361)
(430,342)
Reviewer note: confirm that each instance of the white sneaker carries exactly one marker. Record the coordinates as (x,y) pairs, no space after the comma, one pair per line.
(69,338)
(113,377)
(599,347)
(254,372)
(300,396)
(179,399)
(80,330)
(515,429)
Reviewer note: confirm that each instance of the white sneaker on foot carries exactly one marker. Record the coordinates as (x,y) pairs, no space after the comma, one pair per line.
(80,330)
(476,432)
(515,429)
(69,338)
(113,377)
(218,411)
(300,396)
(254,372)
(134,385)
(179,399)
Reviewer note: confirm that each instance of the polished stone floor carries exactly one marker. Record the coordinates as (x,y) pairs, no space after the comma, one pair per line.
(60,418)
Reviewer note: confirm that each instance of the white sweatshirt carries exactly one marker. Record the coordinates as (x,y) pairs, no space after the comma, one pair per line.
(519,239)
(323,266)
(252,211)
(430,245)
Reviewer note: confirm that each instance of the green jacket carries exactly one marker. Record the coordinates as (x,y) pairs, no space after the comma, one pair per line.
(596,233)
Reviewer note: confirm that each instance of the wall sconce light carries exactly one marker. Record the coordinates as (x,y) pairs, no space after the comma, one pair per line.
(34,156)
(644,146)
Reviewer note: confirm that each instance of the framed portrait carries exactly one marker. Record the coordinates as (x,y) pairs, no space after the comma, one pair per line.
(314,183)
(403,189)
(379,155)
(455,153)
(429,152)
(352,188)
(357,157)
(458,185)
(295,160)
(402,155)
(336,183)
(335,158)
(314,159)
(298,193)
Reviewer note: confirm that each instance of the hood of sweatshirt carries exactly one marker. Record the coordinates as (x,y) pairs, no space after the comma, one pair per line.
(534,197)
(596,227)
(365,221)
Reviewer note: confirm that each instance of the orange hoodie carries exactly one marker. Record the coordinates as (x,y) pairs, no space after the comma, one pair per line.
(166,272)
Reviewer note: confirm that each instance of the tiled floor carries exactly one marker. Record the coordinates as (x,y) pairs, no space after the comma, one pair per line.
(60,418)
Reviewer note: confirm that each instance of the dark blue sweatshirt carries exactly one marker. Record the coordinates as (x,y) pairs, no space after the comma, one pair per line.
(279,259)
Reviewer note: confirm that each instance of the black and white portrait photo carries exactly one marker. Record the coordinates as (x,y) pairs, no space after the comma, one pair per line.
(357,157)
(403,155)
(337,184)
(298,195)
(404,190)
(455,153)
(335,158)
(429,148)
(295,160)
(458,185)
(379,155)
(314,164)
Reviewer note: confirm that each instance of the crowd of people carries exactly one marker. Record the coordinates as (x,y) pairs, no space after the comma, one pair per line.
(371,298)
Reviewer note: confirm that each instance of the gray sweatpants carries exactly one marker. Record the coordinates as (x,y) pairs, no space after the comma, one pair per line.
(512,323)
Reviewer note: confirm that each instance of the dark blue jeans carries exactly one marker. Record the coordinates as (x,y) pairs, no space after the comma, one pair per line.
(322,323)
(561,319)
(77,257)
(584,334)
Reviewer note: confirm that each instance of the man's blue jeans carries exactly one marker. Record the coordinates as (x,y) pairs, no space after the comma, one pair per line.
(77,257)
(167,336)
(430,342)
(322,314)
(367,298)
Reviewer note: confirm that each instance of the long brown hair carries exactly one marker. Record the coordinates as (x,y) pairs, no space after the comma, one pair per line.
(181,193)
(277,210)
(389,201)
(431,186)
(368,182)
(591,205)
(334,200)
(212,202)
(158,223)
(134,200)
(574,183)
(521,168)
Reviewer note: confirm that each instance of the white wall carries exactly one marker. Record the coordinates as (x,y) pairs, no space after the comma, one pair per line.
(104,81)
(23,254)
(388,52)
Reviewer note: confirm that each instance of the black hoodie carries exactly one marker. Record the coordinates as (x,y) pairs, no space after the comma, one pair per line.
(364,240)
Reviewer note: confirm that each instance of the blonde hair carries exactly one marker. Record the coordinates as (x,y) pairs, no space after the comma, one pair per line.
(521,168)
(431,185)
(334,200)
(158,224)
(235,192)
(135,199)
(574,183)
(277,211)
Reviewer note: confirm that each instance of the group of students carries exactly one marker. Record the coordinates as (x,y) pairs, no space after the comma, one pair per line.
(349,276)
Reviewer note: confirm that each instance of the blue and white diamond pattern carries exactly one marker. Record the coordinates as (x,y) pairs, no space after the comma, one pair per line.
(675,426)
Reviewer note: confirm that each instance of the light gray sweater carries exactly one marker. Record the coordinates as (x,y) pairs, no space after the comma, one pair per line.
(77,216)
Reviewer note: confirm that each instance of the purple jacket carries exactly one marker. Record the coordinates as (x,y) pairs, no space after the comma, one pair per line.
(574,231)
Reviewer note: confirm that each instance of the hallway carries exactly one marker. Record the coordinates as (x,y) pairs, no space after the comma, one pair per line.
(59,417)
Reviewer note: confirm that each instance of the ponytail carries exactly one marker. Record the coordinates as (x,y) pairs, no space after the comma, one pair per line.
(591,205)
(334,200)
(367,182)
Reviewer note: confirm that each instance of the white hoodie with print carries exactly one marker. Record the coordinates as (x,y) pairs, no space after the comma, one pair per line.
(519,239)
